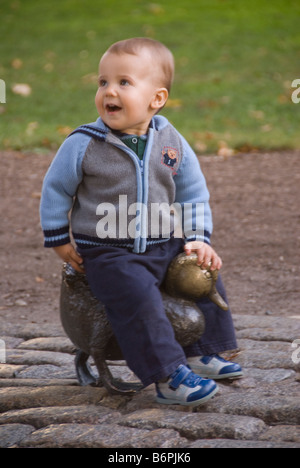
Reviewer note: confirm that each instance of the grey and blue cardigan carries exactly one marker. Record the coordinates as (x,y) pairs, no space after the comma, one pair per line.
(94,170)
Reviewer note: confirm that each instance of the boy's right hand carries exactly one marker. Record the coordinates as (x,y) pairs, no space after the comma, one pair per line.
(69,255)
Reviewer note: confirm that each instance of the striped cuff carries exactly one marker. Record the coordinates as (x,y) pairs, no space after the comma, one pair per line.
(56,237)
(205,238)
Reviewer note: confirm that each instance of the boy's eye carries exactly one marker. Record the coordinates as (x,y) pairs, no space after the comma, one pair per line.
(102,83)
(124,82)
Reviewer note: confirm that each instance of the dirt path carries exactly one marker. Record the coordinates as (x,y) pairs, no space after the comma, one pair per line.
(254,198)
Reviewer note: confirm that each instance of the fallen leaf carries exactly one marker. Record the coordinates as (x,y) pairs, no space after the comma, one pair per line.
(209,135)
(174,103)
(48,67)
(156,9)
(17,63)
(64,130)
(36,195)
(224,150)
(31,127)
(38,279)
(257,114)
(266,128)
(90,78)
(23,89)
(208,104)
(21,303)
(200,146)
(283,98)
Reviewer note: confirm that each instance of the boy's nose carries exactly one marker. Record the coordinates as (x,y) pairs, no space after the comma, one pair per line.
(111,90)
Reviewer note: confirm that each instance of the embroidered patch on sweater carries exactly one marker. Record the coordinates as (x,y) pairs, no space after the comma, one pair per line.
(170,158)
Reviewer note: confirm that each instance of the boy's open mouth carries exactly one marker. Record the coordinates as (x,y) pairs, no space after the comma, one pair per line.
(112,108)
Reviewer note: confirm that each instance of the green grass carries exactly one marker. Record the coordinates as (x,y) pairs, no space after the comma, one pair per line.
(235,62)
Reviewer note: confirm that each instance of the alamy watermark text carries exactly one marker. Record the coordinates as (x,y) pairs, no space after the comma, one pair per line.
(2,352)
(156,220)
(296,94)
(2,92)
(296,353)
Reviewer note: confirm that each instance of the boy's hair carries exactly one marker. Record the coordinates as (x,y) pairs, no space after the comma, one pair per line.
(160,53)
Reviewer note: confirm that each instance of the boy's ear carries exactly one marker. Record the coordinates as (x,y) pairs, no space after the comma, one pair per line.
(159,99)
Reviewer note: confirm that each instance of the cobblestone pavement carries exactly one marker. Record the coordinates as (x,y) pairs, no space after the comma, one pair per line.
(42,405)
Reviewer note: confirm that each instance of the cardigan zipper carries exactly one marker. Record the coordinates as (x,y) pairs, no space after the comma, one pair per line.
(139,165)
(140,241)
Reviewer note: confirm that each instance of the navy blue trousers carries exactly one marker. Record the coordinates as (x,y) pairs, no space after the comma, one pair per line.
(128,284)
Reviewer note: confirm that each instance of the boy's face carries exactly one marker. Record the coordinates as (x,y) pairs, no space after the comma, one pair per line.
(129,94)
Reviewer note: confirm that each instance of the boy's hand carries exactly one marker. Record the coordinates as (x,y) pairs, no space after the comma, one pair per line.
(68,254)
(205,253)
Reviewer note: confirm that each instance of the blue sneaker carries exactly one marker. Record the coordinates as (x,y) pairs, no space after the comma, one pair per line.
(185,388)
(215,367)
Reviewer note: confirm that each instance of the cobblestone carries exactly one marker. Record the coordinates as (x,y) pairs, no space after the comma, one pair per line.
(42,405)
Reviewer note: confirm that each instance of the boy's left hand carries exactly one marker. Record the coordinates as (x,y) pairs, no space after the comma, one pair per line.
(206,255)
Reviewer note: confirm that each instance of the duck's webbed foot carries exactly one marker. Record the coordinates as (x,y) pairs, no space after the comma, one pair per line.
(84,372)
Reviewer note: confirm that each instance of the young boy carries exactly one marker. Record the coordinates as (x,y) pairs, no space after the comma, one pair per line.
(109,175)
